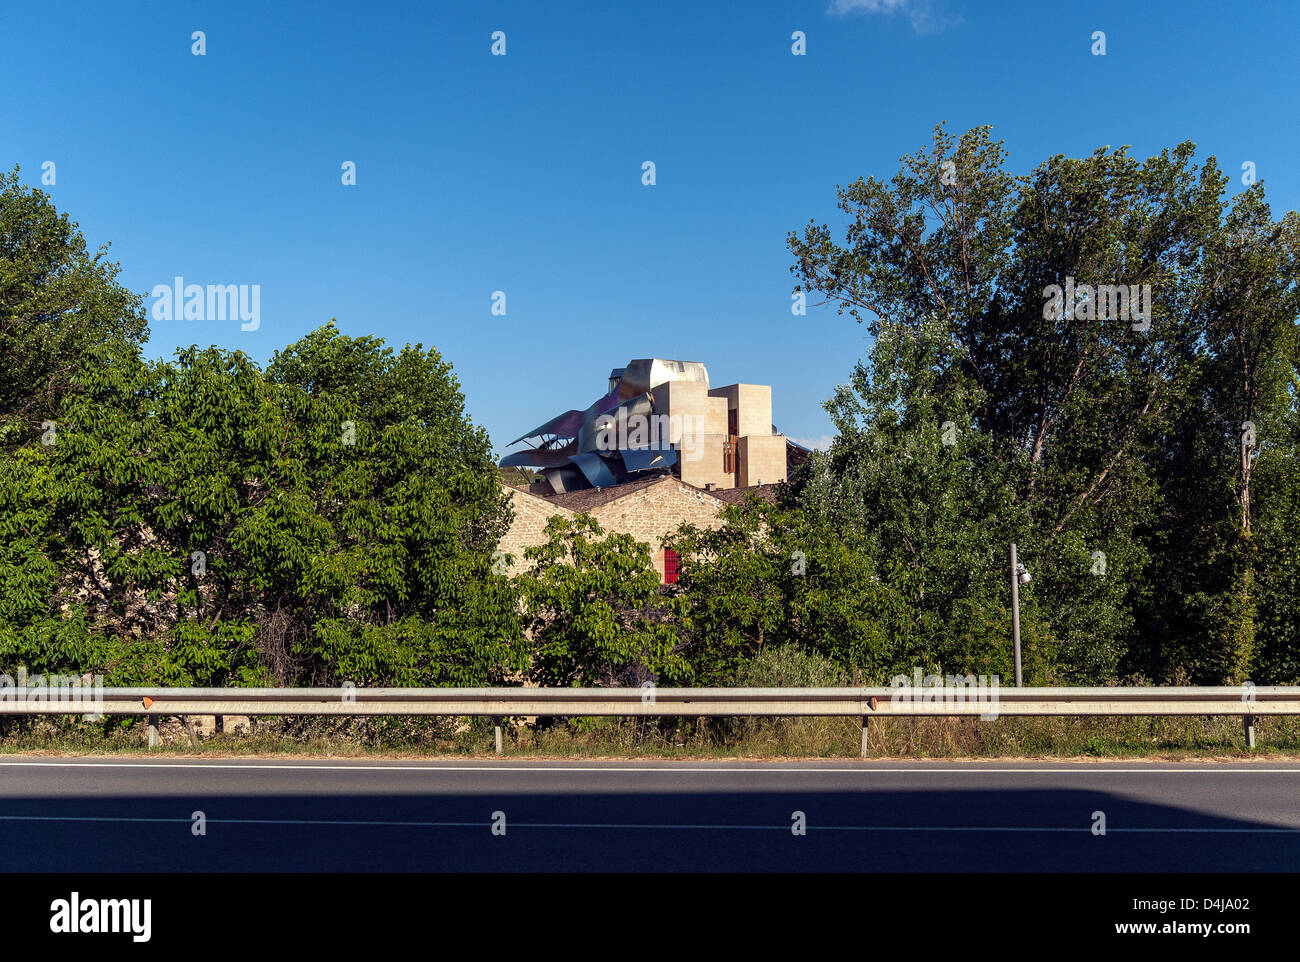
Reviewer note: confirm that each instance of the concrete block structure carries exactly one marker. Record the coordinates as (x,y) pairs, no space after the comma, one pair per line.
(762,460)
(749,408)
(659,417)
(680,451)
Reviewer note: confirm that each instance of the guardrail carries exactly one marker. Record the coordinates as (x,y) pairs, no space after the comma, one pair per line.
(986,701)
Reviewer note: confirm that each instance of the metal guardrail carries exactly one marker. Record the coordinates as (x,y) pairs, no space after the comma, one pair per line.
(987,701)
(936,701)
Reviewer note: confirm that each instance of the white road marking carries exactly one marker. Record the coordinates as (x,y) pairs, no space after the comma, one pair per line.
(1156,768)
(653,827)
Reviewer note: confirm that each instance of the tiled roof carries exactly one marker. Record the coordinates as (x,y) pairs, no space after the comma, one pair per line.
(735,495)
(591,498)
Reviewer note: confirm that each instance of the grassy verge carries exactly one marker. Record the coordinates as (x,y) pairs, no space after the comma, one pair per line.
(1054,737)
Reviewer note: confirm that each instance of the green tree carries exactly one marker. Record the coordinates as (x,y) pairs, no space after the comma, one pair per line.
(1229,477)
(595,614)
(57,300)
(417,505)
(769,577)
(1057,409)
(1277,521)
(198,522)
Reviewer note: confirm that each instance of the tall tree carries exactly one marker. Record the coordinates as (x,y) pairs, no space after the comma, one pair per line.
(206,524)
(1060,315)
(57,300)
(1239,422)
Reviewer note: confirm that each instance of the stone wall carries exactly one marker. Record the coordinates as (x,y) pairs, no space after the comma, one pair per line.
(529,526)
(657,510)
(647,514)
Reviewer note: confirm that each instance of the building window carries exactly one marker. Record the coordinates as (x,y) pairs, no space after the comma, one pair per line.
(670,566)
(729,455)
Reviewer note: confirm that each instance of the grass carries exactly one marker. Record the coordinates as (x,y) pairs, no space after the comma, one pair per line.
(1162,737)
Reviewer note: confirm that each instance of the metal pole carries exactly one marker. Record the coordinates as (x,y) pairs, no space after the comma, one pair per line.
(1015,610)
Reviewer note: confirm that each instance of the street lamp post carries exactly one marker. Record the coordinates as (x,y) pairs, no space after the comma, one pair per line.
(1019,576)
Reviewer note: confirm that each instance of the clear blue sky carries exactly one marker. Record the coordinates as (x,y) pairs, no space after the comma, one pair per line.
(523,173)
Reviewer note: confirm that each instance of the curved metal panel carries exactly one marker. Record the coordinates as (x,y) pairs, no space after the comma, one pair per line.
(567,478)
(601,452)
(645,459)
(565,425)
(538,458)
(647,373)
(595,470)
(589,437)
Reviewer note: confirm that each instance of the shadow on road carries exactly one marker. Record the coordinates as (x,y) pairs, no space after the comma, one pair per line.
(875,830)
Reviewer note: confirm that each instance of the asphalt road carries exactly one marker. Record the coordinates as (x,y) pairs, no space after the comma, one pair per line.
(138,815)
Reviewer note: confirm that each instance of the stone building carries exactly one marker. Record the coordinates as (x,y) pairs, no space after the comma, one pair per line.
(648,510)
(659,449)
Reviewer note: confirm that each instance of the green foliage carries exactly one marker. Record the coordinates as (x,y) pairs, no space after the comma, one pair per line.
(199,522)
(592,602)
(1094,444)
(1231,476)
(57,301)
(789,666)
(771,577)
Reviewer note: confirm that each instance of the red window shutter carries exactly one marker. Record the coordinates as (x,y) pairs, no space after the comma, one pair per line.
(670,566)
(729,454)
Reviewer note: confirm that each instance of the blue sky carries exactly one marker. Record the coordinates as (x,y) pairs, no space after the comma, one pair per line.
(523,173)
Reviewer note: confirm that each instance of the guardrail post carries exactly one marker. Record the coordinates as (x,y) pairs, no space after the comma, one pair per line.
(153,730)
(189,730)
(500,722)
(1249,725)
(866,721)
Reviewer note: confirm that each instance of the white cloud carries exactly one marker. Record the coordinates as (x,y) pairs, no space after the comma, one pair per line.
(920,13)
(869,6)
(822,443)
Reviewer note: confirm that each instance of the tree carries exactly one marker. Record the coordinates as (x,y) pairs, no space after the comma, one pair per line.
(207,524)
(769,577)
(417,506)
(57,301)
(1218,576)
(733,588)
(1277,520)
(595,616)
(1057,321)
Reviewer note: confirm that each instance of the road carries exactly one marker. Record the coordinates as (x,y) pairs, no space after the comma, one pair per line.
(138,815)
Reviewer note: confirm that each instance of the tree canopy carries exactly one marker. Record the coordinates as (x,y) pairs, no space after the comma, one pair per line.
(57,302)
(1097,359)
(1118,443)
